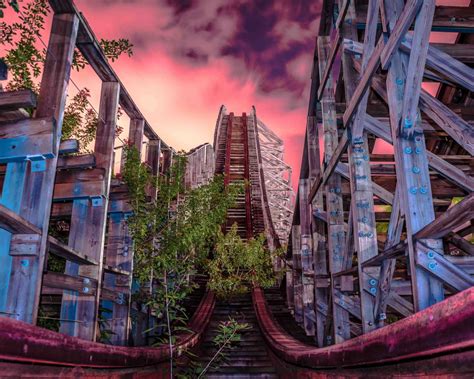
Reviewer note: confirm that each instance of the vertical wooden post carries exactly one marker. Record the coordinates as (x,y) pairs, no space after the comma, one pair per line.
(24,285)
(297,274)
(167,160)
(153,156)
(318,234)
(307,259)
(334,204)
(88,227)
(119,254)
(135,136)
(403,92)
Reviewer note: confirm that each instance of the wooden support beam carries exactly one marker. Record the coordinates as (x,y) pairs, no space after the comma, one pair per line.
(362,194)
(437,265)
(378,190)
(26,271)
(61,250)
(76,162)
(80,184)
(335,45)
(334,204)
(461,243)
(387,269)
(382,55)
(13,223)
(453,218)
(410,150)
(444,168)
(87,232)
(323,177)
(118,277)
(309,315)
(297,275)
(350,304)
(86,286)
(12,100)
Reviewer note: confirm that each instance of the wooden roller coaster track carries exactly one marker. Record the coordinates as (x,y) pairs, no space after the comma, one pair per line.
(376,301)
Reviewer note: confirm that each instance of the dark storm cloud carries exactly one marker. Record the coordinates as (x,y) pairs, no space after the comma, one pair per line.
(269,42)
(263,38)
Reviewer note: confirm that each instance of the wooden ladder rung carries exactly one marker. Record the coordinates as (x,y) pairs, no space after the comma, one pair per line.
(62,250)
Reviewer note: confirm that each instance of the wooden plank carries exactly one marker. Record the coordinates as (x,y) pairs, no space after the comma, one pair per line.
(24,244)
(391,252)
(10,202)
(14,223)
(80,184)
(453,218)
(350,304)
(69,146)
(13,116)
(12,100)
(135,137)
(448,66)
(28,139)
(76,162)
(60,249)
(86,286)
(25,280)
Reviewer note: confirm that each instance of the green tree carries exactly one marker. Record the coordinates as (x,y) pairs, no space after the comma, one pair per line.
(25,56)
(238,265)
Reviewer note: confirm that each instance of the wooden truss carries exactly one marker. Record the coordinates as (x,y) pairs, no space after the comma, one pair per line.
(277,180)
(200,166)
(388,233)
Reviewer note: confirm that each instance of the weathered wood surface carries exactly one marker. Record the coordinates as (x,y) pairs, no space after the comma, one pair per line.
(25,280)
(12,100)
(87,232)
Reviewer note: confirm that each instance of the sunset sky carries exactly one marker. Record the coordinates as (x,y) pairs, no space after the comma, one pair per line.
(192,56)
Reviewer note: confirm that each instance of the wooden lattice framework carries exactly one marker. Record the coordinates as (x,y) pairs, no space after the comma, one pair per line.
(277,175)
(200,166)
(44,182)
(387,234)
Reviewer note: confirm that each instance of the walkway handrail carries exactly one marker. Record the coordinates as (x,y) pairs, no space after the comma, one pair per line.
(23,342)
(444,328)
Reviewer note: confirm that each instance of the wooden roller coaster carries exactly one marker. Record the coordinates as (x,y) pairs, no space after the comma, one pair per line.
(379,263)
